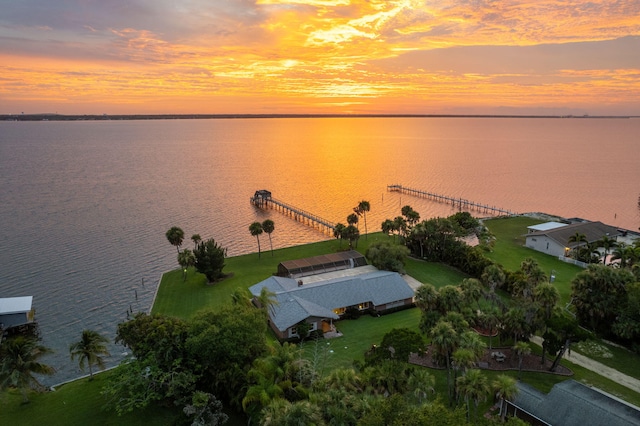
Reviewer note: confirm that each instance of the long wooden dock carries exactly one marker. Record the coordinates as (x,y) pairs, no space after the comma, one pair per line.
(264,200)
(459,202)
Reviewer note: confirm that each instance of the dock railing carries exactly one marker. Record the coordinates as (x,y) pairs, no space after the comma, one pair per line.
(460,202)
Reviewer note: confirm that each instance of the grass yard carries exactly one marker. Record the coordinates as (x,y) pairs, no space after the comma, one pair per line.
(80,402)
(183,298)
(76,403)
(510,251)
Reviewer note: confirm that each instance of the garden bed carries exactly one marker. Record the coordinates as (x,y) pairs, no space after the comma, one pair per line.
(530,362)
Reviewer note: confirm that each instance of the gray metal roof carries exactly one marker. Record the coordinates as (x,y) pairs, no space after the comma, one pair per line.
(593,231)
(297,302)
(15,305)
(571,403)
(546,226)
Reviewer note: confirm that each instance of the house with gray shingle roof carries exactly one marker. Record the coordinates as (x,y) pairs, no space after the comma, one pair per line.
(320,302)
(571,403)
(554,240)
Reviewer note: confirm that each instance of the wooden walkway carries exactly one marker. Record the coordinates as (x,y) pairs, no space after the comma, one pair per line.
(459,202)
(264,200)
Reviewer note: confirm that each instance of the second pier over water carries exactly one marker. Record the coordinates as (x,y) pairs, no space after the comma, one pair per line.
(460,202)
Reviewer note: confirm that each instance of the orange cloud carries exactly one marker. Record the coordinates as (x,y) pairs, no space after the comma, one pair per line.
(331,56)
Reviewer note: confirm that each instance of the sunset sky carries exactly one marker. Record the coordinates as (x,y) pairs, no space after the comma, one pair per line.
(320,56)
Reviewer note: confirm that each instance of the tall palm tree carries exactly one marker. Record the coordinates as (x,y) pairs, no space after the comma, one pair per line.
(267,300)
(364,207)
(175,236)
(352,234)
(445,341)
(505,389)
(19,363)
(421,384)
(387,227)
(577,238)
(338,232)
(493,277)
(607,244)
(256,229)
(547,295)
(521,348)
(473,386)
(352,219)
(186,258)
(269,226)
(196,240)
(471,291)
(89,348)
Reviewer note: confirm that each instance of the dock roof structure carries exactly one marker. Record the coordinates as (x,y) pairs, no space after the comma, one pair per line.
(15,305)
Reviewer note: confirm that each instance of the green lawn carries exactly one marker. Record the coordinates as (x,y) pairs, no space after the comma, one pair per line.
(182,298)
(80,402)
(510,251)
(76,403)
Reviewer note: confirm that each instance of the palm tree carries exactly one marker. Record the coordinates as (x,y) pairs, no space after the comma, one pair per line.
(473,386)
(445,340)
(89,348)
(267,300)
(505,389)
(338,232)
(471,291)
(241,297)
(256,229)
(352,219)
(421,384)
(196,239)
(490,320)
(577,238)
(351,233)
(344,379)
(186,258)
(493,277)
(521,349)
(547,296)
(175,236)
(387,227)
(20,362)
(607,244)
(364,207)
(269,226)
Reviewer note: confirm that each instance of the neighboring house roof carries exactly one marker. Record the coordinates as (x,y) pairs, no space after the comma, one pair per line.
(593,231)
(571,403)
(323,263)
(15,305)
(547,226)
(297,302)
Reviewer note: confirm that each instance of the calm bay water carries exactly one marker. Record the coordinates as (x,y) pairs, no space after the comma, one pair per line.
(85,206)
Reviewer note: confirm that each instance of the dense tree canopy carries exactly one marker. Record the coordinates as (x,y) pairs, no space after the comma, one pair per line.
(598,293)
(210,259)
(387,256)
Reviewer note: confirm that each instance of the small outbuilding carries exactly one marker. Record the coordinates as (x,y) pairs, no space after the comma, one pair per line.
(320,264)
(16,311)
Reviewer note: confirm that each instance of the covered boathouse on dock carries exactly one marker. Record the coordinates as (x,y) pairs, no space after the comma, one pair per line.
(321,264)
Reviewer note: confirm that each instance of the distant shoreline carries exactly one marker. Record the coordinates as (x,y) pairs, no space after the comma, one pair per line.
(107,117)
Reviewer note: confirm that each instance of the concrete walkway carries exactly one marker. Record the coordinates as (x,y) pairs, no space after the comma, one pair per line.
(596,367)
